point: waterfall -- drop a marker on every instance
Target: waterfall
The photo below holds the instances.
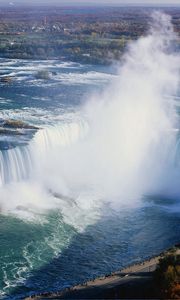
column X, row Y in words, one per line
column 123, row 150
column 15, row 165
column 18, row 164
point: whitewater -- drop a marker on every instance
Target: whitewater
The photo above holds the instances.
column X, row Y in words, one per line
column 100, row 168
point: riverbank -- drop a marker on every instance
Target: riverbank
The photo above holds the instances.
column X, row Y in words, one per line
column 133, row 282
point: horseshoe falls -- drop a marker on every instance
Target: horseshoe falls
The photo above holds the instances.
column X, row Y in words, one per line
column 89, row 165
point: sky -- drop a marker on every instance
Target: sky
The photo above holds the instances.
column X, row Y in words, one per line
column 88, row 2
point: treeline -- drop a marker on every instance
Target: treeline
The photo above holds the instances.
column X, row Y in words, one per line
column 84, row 49
column 167, row 276
column 90, row 36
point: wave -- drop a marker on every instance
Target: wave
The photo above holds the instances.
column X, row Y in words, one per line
column 91, row 77
column 64, row 72
column 27, row 65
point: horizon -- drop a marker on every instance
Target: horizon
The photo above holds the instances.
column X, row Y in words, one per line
column 83, row 3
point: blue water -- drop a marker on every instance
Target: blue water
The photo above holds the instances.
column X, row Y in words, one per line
column 55, row 248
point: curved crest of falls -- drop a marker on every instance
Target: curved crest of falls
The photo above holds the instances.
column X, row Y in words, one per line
column 92, row 184
column 17, row 164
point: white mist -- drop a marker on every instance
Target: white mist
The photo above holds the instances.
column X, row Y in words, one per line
column 128, row 151
column 123, row 149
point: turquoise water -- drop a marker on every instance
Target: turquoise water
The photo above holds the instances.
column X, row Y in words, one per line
column 51, row 256
column 50, row 239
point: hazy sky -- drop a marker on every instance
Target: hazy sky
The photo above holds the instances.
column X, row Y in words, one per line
column 87, row 2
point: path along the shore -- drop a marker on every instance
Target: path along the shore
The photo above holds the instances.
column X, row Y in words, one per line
column 135, row 280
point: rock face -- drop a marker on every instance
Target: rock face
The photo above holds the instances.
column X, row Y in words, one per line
column 6, row 79
column 15, row 132
column 42, row 74
column 16, row 124
column 4, row 131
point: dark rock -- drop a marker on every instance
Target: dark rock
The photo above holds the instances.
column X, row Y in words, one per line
column 16, row 124
column 6, row 79
column 42, row 74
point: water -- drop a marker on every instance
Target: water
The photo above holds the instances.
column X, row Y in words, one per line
column 54, row 106
column 94, row 186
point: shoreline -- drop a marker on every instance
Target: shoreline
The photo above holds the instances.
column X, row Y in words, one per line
column 98, row 288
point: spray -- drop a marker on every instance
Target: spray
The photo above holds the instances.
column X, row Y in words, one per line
column 122, row 149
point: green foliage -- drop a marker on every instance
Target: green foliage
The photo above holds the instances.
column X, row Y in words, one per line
column 167, row 275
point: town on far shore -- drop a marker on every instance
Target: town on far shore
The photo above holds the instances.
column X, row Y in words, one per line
column 96, row 35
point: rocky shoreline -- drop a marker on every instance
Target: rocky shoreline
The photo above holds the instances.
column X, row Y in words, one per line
column 133, row 282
